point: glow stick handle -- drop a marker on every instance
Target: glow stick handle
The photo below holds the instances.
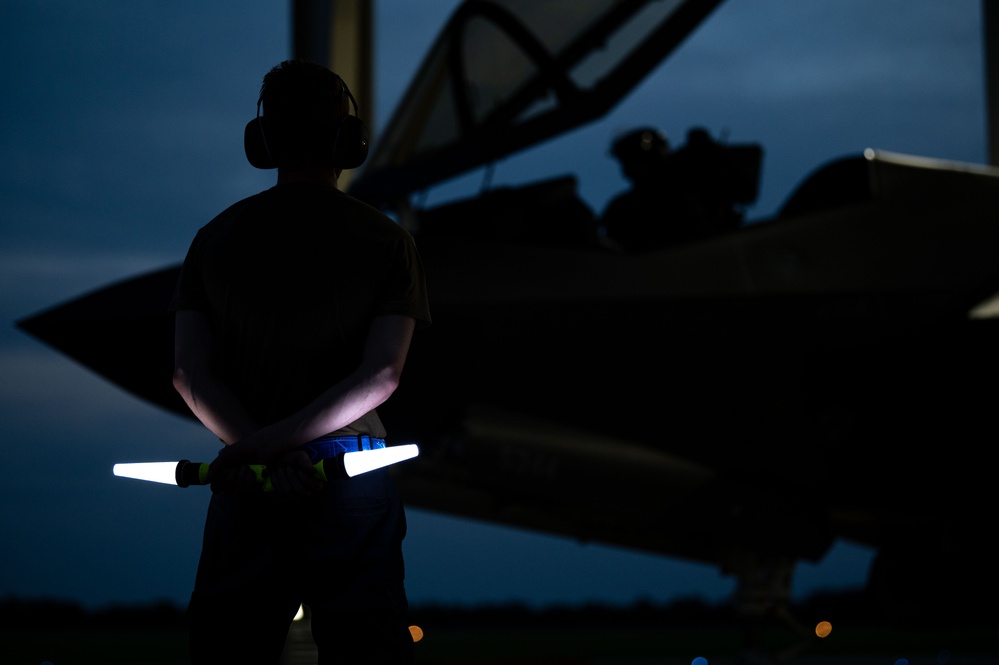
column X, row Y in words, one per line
column 196, row 473
column 346, row 465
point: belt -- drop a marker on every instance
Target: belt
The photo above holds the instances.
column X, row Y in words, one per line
column 327, row 447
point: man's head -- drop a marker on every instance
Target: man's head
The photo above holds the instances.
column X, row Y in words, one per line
column 304, row 120
column 641, row 152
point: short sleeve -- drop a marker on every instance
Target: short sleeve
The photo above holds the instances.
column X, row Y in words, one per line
column 405, row 289
column 190, row 290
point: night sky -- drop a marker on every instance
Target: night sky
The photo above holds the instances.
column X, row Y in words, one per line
column 122, row 135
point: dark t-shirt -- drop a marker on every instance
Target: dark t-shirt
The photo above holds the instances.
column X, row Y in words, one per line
column 290, row 279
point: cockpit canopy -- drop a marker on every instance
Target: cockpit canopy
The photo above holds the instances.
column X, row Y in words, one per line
column 507, row 74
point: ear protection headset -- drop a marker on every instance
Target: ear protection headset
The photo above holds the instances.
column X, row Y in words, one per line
column 350, row 137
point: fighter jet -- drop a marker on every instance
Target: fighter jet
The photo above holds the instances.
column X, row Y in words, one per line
column 742, row 398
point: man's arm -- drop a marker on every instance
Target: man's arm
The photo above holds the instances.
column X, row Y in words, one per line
column 194, row 378
column 366, row 388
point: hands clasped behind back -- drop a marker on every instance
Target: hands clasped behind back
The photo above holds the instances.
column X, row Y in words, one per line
column 290, row 473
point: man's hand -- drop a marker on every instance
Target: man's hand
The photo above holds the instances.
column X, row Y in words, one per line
column 230, row 471
column 294, row 474
column 235, row 479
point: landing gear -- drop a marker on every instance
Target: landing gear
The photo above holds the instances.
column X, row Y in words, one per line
column 762, row 601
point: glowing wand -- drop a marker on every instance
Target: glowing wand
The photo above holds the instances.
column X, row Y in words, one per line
column 186, row 473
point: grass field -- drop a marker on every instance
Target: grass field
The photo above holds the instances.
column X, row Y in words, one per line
column 54, row 633
column 481, row 646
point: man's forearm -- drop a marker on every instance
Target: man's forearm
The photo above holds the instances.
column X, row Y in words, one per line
column 214, row 405
column 337, row 407
column 366, row 388
column 210, row 400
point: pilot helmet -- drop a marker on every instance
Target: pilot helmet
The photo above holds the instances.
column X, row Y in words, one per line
column 645, row 144
column 641, row 152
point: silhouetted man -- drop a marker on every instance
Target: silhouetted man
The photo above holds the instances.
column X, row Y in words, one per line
column 654, row 212
column 677, row 196
column 294, row 314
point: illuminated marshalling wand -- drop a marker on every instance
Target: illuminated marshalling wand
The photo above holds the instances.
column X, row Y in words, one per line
column 186, row 473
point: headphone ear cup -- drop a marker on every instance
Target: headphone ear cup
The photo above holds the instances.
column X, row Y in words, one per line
column 349, row 151
column 351, row 147
column 256, row 147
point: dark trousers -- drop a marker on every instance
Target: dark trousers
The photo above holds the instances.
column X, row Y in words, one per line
column 339, row 553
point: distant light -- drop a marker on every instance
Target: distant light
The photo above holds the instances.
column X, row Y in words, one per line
column 823, row 628
column 902, row 661
column 987, row 309
column 416, row 632
column 700, row 660
column 300, row 614
column 157, row 472
column 362, row 461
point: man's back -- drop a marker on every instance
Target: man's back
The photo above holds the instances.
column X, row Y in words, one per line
column 291, row 280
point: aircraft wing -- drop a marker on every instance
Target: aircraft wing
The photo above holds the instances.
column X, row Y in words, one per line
column 507, row 74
